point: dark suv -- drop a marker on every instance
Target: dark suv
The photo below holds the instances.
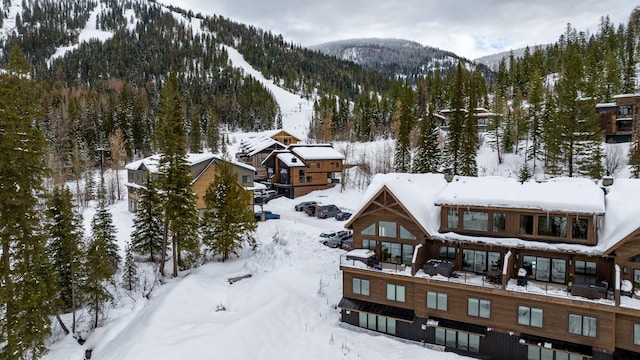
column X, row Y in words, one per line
column 326, row 211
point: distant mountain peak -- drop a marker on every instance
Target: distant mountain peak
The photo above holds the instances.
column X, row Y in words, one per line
column 397, row 58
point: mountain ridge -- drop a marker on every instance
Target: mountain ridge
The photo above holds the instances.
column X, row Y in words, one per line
column 396, row 58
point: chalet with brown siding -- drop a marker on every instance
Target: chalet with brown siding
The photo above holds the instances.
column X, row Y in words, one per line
column 302, row 168
column 255, row 149
column 203, row 172
column 497, row 269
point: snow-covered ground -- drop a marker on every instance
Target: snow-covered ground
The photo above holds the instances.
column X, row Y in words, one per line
column 286, row 310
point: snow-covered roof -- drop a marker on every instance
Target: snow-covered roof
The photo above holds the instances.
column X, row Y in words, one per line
column 623, row 212
column 609, row 104
column 270, row 133
column 620, row 96
column 254, row 145
column 290, row 160
column 316, row 152
column 152, row 162
column 421, row 194
column 416, row 192
column 572, row 195
column 624, row 119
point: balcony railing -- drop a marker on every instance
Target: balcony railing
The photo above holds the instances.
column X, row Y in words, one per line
column 486, row 280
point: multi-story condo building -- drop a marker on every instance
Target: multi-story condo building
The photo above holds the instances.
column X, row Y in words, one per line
column 619, row 118
column 255, row 149
column 303, row 168
column 489, row 267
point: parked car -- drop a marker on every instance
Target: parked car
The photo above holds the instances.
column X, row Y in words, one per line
column 310, row 210
column 302, row 205
column 326, row 211
column 268, row 215
column 341, row 216
column 334, row 242
column 347, row 244
column 342, row 234
column 270, row 194
column 326, row 235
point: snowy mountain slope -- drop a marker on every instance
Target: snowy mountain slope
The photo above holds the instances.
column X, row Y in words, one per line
column 393, row 57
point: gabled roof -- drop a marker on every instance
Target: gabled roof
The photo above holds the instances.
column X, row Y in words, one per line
column 254, row 145
column 152, row 162
column 415, row 192
column 272, row 133
column 623, row 214
column 290, row 160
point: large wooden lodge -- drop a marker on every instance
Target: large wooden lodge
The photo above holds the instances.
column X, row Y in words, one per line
column 493, row 268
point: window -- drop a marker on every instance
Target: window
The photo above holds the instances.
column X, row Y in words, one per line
column 437, row 301
column 387, row 229
column 636, row 334
column 476, row 260
column 526, row 224
column 479, row 308
column 405, row 234
column 395, row 292
column 246, row 179
column 499, row 222
column 552, row 225
column 369, row 244
column 580, row 228
column 585, row 267
column 396, row 253
column 300, row 172
column 530, row 316
column 309, row 179
column 475, row 220
column 625, row 110
column 301, row 179
column 582, row 325
column 447, row 252
column 369, row 230
column 457, row 339
column 540, row 353
column 361, row 287
column 452, row 218
column 545, row 269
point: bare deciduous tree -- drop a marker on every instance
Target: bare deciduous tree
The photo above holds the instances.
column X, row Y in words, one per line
column 118, row 155
column 613, row 160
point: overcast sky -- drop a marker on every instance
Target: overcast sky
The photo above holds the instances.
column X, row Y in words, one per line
column 469, row 28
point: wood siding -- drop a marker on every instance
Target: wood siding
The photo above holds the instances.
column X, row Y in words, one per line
column 504, row 307
column 513, row 225
column 208, row 177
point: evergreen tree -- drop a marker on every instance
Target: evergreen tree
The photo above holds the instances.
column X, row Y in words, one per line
column 130, row 273
column 404, row 117
column 180, row 213
column 427, row 158
column 146, row 238
column 456, row 124
column 229, row 222
column 26, row 284
column 103, row 229
column 213, row 131
column 470, row 143
column 66, row 235
column 536, row 113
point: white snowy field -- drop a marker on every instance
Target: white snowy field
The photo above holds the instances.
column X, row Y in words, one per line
column 286, row 310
